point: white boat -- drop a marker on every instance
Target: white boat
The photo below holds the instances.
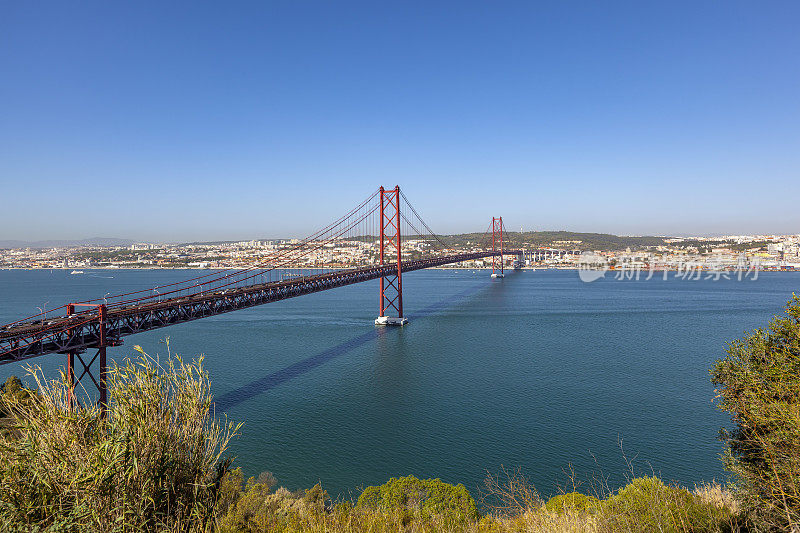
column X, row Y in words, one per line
column 77, row 272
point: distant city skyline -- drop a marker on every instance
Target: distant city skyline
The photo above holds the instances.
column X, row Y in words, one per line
column 117, row 242
column 184, row 122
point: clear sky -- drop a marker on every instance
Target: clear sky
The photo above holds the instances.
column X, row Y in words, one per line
column 198, row 120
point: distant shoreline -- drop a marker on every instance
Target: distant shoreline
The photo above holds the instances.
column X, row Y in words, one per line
column 534, row 268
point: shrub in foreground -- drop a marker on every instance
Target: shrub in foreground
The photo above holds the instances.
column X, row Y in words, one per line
column 571, row 501
column 12, row 393
column 151, row 464
column 430, row 497
column 759, row 385
column 647, row 504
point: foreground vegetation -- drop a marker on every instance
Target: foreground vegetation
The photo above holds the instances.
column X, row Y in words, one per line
column 759, row 384
column 414, row 505
column 152, row 463
column 155, row 462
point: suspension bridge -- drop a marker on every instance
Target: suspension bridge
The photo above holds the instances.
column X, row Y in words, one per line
column 384, row 235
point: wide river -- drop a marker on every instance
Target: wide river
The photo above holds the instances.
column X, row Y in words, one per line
column 539, row 371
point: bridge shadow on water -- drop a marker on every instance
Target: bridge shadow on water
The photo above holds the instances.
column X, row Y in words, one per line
column 270, row 381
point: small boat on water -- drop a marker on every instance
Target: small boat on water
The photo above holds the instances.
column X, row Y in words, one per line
column 77, row 272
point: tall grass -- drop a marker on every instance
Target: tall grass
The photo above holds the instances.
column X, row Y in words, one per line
column 153, row 463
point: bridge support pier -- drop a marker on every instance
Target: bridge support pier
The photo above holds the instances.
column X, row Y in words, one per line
column 391, row 291
column 99, row 357
column 391, row 321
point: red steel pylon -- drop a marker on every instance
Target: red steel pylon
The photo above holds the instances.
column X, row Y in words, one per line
column 497, row 228
column 99, row 356
column 391, row 295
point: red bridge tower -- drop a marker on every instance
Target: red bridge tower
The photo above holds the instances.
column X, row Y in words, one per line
column 391, row 296
column 497, row 263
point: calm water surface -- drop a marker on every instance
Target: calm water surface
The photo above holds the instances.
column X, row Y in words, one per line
column 538, row 370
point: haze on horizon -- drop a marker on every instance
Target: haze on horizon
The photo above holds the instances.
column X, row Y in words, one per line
column 197, row 122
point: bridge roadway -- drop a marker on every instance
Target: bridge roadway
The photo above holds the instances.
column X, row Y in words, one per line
column 81, row 331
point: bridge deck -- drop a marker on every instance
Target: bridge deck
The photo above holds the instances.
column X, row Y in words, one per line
column 81, row 331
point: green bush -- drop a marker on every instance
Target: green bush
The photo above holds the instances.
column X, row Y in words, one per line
column 370, row 498
column 759, row 385
column 230, row 490
column 152, row 463
column 251, row 509
column 431, row 497
column 12, row 392
column 316, row 498
column 12, row 386
column 647, row 504
column 572, row 501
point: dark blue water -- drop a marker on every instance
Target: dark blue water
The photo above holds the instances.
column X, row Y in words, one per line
column 538, row 370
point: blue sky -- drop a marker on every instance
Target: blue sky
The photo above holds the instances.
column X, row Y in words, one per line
column 198, row 120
